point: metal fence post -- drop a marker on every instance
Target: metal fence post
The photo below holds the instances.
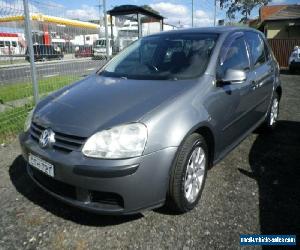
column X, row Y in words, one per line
column 28, row 33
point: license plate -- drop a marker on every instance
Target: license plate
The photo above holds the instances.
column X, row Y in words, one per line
column 41, row 165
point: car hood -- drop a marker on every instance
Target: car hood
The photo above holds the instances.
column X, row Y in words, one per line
column 97, row 103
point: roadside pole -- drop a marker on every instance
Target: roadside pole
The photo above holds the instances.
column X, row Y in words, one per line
column 106, row 29
column 192, row 13
column 99, row 5
column 215, row 12
column 28, row 33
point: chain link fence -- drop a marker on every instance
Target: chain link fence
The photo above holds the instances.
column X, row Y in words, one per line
column 62, row 54
column 63, row 50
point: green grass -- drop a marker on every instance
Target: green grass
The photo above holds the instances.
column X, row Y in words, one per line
column 12, row 120
column 22, row 90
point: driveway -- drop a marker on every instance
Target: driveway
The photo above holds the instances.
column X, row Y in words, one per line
column 255, row 189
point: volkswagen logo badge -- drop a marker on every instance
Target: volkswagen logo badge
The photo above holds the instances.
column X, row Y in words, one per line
column 47, row 138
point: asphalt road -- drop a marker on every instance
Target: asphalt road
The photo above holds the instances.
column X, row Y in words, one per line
column 254, row 190
column 81, row 66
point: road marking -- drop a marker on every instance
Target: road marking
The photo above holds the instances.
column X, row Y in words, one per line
column 11, row 68
column 42, row 69
column 50, row 75
column 91, row 69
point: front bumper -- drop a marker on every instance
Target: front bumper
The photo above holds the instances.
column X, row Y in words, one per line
column 122, row 186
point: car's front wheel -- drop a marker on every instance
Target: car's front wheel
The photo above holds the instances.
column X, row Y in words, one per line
column 189, row 173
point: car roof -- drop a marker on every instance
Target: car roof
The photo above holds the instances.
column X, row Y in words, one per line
column 213, row 30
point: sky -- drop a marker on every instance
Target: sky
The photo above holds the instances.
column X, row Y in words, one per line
column 177, row 12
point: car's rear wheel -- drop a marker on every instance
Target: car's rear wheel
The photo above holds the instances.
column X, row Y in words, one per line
column 188, row 174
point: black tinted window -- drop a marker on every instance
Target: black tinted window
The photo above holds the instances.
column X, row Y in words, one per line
column 236, row 57
column 257, row 48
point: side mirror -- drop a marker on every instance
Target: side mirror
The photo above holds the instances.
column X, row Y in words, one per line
column 234, row 76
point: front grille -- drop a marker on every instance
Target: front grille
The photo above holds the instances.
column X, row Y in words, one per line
column 63, row 142
column 57, row 187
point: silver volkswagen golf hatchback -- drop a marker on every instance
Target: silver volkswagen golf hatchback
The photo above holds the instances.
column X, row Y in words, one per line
column 143, row 130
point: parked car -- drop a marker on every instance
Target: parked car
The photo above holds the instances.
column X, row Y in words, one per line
column 145, row 128
column 45, row 52
column 84, row 51
column 294, row 59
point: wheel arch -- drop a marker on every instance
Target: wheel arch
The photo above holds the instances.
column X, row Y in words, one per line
column 207, row 133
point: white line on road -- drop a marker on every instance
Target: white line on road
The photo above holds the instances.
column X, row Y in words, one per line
column 50, row 75
column 40, row 64
column 91, row 69
column 48, row 68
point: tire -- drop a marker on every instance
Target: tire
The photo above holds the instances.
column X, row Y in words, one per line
column 273, row 113
column 180, row 199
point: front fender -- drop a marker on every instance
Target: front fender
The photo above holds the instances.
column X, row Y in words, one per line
column 171, row 124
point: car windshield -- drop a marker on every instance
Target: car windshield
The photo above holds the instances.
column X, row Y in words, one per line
column 167, row 57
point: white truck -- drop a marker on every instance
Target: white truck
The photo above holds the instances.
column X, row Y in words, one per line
column 99, row 50
column 122, row 38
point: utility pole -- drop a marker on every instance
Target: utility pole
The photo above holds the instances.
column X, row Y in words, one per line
column 106, row 29
column 192, row 13
column 99, row 6
column 215, row 13
column 28, row 33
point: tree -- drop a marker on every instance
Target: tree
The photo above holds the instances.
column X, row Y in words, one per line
column 244, row 7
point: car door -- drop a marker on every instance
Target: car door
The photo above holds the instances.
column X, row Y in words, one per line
column 234, row 101
column 263, row 68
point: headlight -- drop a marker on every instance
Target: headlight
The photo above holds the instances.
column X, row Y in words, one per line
column 28, row 121
column 118, row 142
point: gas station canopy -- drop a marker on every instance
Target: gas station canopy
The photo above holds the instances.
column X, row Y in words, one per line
column 51, row 19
